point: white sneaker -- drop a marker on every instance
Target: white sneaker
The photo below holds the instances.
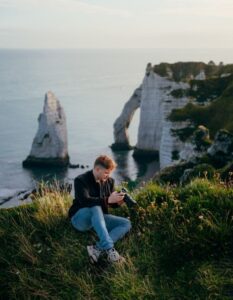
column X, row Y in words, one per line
column 114, row 256
column 93, row 253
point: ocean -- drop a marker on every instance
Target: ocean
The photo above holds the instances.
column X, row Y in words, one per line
column 92, row 86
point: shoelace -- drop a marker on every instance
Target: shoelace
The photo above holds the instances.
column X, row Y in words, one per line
column 111, row 250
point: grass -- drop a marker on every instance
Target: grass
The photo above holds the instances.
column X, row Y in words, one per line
column 180, row 247
column 214, row 117
column 185, row 71
column 217, row 115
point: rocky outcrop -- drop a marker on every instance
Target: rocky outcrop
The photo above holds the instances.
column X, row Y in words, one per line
column 121, row 125
column 167, row 88
column 196, row 146
column 154, row 134
column 208, row 159
column 222, row 145
column 201, row 75
column 50, row 147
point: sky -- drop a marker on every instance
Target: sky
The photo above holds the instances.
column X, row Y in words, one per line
column 116, row 24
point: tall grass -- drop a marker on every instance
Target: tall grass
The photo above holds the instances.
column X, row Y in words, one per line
column 180, row 247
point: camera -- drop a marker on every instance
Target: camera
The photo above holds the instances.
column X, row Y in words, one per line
column 130, row 202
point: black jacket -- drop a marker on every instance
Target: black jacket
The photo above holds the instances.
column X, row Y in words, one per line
column 89, row 193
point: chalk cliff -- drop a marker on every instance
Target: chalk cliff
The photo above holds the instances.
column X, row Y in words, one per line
column 154, row 134
column 167, row 88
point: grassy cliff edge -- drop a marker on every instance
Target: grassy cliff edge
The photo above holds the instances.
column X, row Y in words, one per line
column 180, row 247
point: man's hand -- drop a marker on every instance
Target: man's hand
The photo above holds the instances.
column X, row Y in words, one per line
column 116, row 197
column 121, row 202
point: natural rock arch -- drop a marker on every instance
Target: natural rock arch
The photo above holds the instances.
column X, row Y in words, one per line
column 121, row 125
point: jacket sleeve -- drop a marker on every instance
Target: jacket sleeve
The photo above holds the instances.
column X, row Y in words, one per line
column 81, row 194
column 113, row 205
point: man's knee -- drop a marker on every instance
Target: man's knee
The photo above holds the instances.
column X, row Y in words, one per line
column 78, row 227
column 81, row 220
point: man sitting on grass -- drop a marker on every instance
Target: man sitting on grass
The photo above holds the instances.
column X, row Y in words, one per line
column 94, row 192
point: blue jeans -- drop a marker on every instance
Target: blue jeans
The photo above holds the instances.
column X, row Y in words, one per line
column 109, row 228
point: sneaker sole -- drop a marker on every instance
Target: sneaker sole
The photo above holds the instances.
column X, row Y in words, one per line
column 92, row 258
column 121, row 260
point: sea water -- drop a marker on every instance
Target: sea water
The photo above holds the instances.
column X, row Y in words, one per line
column 92, row 85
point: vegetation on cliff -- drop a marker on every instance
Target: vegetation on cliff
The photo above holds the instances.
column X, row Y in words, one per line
column 180, row 247
column 216, row 91
column 186, row 71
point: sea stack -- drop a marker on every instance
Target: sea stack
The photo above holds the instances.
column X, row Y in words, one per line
column 50, row 147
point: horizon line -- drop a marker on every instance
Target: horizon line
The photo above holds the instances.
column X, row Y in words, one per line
column 106, row 48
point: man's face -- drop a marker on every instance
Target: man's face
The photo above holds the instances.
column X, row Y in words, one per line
column 102, row 173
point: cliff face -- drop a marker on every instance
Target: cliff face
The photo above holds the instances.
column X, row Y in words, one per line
column 154, row 132
column 165, row 88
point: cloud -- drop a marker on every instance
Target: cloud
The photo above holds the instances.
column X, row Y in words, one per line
column 69, row 5
column 87, row 23
column 6, row 4
column 197, row 8
column 173, row 8
column 93, row 8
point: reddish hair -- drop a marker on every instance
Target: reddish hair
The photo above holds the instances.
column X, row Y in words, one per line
column 105, row 162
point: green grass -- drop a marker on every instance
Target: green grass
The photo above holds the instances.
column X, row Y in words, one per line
column 183, row 71
column 208, row 89
column 180, row 247
column 217, row 90
column 218, row 115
